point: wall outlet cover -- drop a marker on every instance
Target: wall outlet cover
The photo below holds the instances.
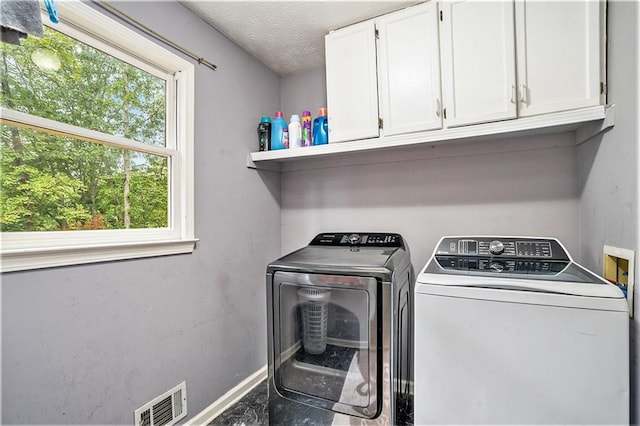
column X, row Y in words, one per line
column 618, row 267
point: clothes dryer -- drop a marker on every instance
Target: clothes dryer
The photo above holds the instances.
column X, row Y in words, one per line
column 510, row 330
column 339, row 331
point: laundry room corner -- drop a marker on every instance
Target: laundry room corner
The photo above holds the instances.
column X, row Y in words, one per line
column 609, row 163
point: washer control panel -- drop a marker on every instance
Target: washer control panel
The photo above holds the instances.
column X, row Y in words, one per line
column 371, row 239
column 508, row 247
column 507, row 265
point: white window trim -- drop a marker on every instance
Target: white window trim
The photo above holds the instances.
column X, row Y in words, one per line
column 34, row 250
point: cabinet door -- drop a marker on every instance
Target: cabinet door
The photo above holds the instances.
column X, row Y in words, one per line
column 558, row 49
column 478, row 61
column 352, row 93
column 409, row 70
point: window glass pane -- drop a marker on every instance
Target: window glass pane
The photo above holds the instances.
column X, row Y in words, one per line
column 62, row 79
column 52, row 183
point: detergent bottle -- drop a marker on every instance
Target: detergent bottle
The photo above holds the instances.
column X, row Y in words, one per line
column 306, row 128
column 295, row 132
column 264, row 134
column 321, row 128
column 278, row 128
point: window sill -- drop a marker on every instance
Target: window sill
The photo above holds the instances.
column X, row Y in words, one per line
column 27, row 259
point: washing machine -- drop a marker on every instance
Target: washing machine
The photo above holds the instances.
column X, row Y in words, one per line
column 510, row 330
column 339, row 331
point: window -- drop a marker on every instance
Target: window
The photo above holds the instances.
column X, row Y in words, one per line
column 96, row 145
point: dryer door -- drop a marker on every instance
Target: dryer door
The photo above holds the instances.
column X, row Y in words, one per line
column 325, row 341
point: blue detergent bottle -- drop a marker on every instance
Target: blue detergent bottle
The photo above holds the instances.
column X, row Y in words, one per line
column 278, row 126
column 321, row 128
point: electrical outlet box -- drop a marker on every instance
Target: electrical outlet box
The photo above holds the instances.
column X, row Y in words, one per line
column 618, row 266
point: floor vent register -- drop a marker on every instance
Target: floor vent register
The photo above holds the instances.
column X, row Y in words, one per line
column 164, row 410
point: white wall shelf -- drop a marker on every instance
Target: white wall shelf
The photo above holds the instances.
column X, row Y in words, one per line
column 585, row 122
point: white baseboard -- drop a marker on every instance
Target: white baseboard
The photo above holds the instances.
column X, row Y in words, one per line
column 207, row 415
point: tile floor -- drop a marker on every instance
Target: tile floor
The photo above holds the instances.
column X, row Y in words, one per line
column 253, row 410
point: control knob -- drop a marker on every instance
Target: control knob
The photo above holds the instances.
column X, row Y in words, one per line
column 496, row 247
column 496, row 267
column 354, row 238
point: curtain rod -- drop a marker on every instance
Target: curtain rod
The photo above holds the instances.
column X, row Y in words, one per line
column 137, row 24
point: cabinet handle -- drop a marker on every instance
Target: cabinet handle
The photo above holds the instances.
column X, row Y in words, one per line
column 523, row 94
column 513, row 93
column 438, row 107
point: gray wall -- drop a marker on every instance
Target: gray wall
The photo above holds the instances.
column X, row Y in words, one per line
column 609, row 165
column 89, row 344
column 302, row 91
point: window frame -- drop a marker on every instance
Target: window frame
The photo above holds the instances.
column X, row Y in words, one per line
column 43, row 249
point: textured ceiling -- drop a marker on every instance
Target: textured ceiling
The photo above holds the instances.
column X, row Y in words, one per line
column 286, row 36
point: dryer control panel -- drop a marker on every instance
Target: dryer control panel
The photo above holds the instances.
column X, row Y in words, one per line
column 371, row 239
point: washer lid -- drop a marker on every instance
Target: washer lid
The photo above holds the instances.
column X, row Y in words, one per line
column 549, row 277
column 512, row 263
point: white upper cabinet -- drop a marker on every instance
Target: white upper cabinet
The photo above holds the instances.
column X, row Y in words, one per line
column 448, row 69
column 409, row 70
column 559, row 55
column 352, row 93
column 478, row 61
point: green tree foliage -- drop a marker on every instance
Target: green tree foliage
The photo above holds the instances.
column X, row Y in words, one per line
column 51, row 182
